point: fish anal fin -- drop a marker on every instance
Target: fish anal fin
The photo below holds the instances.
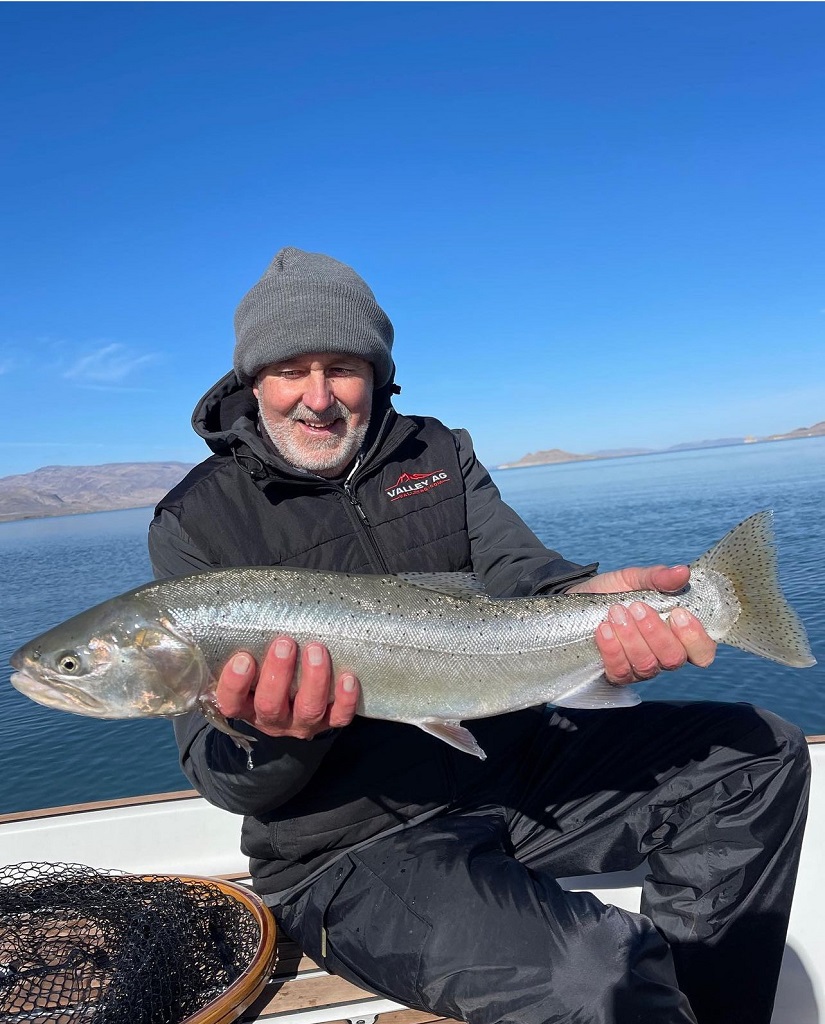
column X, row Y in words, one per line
column 453, row 733
column 599, row 694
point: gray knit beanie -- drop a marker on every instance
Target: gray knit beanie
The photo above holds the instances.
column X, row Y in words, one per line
column 308, row 302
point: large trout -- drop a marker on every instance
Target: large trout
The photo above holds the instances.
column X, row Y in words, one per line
column 431, row 650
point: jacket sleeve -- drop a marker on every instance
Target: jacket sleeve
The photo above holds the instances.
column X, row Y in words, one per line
column 211, row 761
column 506, row 554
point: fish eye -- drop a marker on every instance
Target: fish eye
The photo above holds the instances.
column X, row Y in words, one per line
column 69, row 663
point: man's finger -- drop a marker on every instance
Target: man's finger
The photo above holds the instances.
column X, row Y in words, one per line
column 700, row 648
column 635, row 577
column 309, row 708
column 664, row 646
column 643, row 662
column 616, row 666
column 667, row 579
column 275, row 683
column 343, row 708
column 234, row 685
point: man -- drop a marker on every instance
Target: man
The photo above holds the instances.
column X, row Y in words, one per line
column 395, row 860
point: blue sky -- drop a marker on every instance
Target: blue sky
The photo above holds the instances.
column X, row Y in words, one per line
column 593, row 225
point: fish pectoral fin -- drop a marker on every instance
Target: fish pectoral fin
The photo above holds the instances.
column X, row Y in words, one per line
column 212, row 714
column 453, row 733
column 599, row 694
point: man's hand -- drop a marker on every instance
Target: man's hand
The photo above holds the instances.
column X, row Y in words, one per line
column 635, row 643
column 263, row 698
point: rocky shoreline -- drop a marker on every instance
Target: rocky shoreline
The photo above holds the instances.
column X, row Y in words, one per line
column 75, row 490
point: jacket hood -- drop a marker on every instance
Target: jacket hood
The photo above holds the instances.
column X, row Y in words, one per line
column 227, row 418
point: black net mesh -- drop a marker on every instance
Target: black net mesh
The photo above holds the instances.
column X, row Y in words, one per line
column 82, row 945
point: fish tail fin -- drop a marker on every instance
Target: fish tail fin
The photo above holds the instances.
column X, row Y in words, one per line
column 767, row 625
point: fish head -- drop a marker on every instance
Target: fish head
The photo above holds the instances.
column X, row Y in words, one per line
column 113, row 661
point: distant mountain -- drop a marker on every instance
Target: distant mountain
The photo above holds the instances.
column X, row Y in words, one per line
column 553, row 455
column 620, row 453
column 817, row 430
column 689, row 446
column 69, row 490
column 545, row 458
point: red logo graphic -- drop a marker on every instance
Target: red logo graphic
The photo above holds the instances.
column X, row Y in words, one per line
column 415, row 483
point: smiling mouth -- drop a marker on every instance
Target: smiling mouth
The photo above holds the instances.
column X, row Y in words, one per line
column 319, row 428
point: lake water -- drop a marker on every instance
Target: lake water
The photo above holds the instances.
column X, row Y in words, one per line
column 645, row 509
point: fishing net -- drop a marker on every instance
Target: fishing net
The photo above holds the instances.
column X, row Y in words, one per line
column 83, row 946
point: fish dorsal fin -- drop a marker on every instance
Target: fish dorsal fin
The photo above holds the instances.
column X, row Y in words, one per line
column 599, row 694
column 453, row 584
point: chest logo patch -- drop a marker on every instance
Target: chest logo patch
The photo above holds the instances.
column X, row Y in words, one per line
column 415, row 483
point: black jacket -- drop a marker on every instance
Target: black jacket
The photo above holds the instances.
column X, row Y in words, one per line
column 418, row 500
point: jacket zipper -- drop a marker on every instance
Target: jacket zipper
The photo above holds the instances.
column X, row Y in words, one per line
column 362, row 516
column 362, row 458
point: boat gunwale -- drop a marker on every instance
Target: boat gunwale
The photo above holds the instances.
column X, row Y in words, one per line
column 98, row 805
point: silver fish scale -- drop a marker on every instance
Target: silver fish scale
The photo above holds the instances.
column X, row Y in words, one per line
column 416, row 652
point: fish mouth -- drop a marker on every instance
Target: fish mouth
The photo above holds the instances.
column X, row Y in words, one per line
column 55, row 693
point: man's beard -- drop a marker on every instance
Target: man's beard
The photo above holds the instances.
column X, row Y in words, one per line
column 326, row 455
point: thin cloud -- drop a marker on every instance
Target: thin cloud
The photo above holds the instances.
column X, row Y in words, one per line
column 116, row 387
column 107, row 366
column 51, row 444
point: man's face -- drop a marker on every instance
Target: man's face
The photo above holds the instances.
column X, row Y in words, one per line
column 316, row 409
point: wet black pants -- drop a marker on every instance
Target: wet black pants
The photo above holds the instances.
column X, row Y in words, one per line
column 461, row 915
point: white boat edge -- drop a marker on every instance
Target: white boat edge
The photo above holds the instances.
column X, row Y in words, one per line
column 180, row 833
